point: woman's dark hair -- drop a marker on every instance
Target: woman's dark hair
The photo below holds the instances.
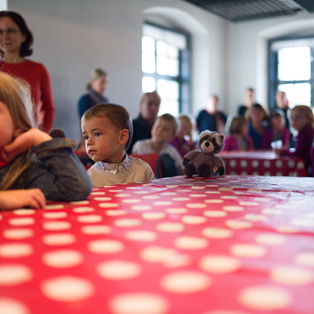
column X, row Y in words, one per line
column 26, row 49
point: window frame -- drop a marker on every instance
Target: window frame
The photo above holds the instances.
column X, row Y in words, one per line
column 183, row 78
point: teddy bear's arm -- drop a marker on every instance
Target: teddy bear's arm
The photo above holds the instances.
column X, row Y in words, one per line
column 190, row 156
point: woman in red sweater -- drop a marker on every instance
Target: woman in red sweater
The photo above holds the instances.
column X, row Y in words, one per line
column 15, row 44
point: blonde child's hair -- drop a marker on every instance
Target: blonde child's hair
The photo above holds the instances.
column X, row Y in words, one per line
column 305, row 110
column 117, row 114
column 95, row 75
column 149, row 96
column 15, row 95
column 169, row 118
column 236, row 124
column 186, row 118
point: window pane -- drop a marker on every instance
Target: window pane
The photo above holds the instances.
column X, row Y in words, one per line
column 297, row 94
column 148, row 63
column 148, row 44
column 169, row 92
column 294, row 63
column 148, row 84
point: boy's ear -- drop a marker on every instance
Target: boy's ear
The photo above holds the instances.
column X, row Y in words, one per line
column 124, row 136
column 17, row 132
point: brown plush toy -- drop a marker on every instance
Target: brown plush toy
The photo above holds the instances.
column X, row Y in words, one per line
column 204, row 161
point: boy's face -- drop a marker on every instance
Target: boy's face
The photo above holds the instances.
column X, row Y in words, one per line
column 162, row 131
column 104, row 141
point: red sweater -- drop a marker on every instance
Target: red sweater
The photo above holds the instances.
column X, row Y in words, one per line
column 38, row 78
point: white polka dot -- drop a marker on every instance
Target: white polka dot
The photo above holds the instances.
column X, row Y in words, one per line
column 141, row 235
column 264, row 298
column 190, row 243
column 291, row 275
column 21, row 221
column 185, row 282
column 278, row 163
column 219, row 264
column 248, row 250
column 255, row 163
column 196, row 205
column 80, row 202
column 11, row 306
column 108, row 205
column 58, row 239
column 123, row 195
column 54, row 206
column 67, row 289
column 214, row 201
column 139, row 303
column 83, row 209
column 266, row 164
column 18, row 234
column 162, row 203
column 141, row 207
column 176, row 210
column 54, row 215
column 56, row 225
column 23, row 212
column 170, row 227
column 305, row 258
column 270, row 239
column 181, row 199
column 62, row 258
column 198, row 195
column 249, row 203
column 291, row 163
column 153, row 216
column 193, row 220
column 243, row 163
column 225, row 189
column 233, row 208
column 118, row 270
column 156, row 254
column 218, row 233
column 115, row 212
column 236, row 224
column 14, row 274
column 232, row 163
column 105, row 246
column 127, row 222
column 15, row 250
column 131, row 201
column 89, row 218
column 150, row 197
column 96, row 229
column 255, row 217
column 215, row 213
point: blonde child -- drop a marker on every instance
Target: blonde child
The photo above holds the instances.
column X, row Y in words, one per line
column 164, row 128
column 302, row 120
column 183, row 141
column 32, row 159
column 107, row 132
column 238, row 138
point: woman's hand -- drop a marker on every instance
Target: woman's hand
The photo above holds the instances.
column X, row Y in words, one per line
column 13, row 199
column 24, row 142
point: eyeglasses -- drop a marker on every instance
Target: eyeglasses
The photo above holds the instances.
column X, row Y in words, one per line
column 9, row 31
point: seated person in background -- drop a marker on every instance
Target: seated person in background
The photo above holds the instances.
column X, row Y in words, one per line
column 257, row 118
column 33, row 198
column 211, row 118
column 249, row 101
column 238, row 138
column 107, row 132
column 282, row 103
column 276, row 131
column 302, row 120
column 163, row 130
column 32, row 159
column 183, row 141
column 142, row 125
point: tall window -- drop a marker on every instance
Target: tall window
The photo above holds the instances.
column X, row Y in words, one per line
column 165, row 67
column 291, row 71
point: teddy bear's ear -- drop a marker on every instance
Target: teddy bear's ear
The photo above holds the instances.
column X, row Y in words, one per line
column 222, row 137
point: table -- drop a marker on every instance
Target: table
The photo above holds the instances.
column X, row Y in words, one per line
column 262, row 163
column 232, row 244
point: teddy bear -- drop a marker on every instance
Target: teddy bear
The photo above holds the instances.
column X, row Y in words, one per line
column 204, row 161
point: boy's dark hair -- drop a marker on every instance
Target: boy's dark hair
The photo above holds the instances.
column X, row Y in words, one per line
column 26, row 49
column 117, row 114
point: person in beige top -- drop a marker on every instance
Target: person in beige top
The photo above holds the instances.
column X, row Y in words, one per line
column 107, row 133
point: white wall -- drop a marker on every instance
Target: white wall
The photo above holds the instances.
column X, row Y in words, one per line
column 74, row 36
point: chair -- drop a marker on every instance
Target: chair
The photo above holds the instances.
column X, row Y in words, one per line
column 153, row 161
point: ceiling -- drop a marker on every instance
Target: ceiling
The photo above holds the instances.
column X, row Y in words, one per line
column 248, row 10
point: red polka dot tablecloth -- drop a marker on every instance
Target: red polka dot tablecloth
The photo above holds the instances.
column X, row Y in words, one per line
column 263, row 163
column 233, row 244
